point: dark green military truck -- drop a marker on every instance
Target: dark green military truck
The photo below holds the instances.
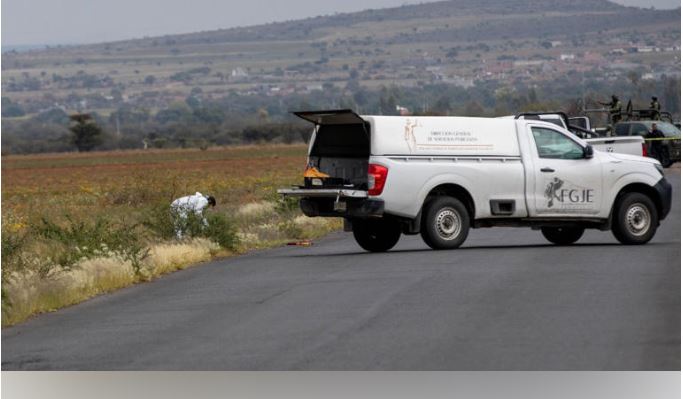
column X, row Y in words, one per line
column 670, row 145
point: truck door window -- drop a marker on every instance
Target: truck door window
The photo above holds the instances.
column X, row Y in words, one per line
column 554, row 145
column 622, row 129
column 639, row 130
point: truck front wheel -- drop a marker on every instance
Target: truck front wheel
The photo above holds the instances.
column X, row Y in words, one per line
column 635, row 219
column 445, row 223
column 376, row 235
column 562, row 235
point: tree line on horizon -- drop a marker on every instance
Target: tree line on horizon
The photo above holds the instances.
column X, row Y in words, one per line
column 201, row 123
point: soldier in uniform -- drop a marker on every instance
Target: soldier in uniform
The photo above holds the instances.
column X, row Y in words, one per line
column 655, row 108
column 614, row 109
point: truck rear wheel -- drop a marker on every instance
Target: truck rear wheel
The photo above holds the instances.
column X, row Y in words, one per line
column 635, row 219
column 664, row 158
column 562, row 235
column 445, row 224
column 376, row 235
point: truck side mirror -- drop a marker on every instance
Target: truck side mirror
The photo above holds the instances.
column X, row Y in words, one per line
column 588, row 151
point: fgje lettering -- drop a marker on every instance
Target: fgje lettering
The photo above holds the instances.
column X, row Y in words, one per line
column 555, row 192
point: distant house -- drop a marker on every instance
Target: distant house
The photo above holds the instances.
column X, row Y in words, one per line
column 526, row 63
column 566, row 57
column 459, row 81
column 239, row 74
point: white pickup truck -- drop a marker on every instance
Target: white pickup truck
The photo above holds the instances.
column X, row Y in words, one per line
column 441, row 176
column 632, row 145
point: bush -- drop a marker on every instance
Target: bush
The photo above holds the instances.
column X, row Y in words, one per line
column 71, row 241
column 287, row 205
column 159, row 220
column 12, row 247
column 163, row 222
column 221, row 230
column 284, row 206
column 290, row 229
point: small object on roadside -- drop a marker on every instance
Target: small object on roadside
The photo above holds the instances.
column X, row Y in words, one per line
column 302, row 243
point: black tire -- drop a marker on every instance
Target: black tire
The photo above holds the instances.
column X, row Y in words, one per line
column 445, row 223
column 635, row 219
column 376, row 235
column 664, row 158
column 562, row 235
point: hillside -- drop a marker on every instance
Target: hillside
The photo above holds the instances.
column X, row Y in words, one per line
column 477, row 47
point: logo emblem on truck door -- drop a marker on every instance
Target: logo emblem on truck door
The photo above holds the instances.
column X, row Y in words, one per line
column 551, row 190
column 409, row 134
column 567, row 194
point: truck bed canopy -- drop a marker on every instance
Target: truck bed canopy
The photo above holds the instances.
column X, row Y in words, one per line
column 340, row 133
column 331, row 117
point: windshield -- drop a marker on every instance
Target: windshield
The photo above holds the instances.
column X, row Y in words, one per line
column 668, row 129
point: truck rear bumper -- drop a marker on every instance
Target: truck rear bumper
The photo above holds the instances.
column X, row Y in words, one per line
column 665, row 192
column 366, row 208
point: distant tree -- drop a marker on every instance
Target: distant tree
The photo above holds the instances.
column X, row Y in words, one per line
column 176, row 112
column 263, row 114
column 11, row 109
column 150, row 79
column 193, row 102
column 634, row 78
column 473, row 108
column 129, row 115
column 672, row 95
column 208, row 115
column 442, row 104
column 532, row 96
column 117, row 94
column 53, row 115
column 85, row 134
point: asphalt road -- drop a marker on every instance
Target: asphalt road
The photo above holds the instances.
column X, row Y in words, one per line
column 507, row 300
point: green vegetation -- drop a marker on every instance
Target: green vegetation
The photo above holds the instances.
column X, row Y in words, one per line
column 77, row 225
column 86, row 135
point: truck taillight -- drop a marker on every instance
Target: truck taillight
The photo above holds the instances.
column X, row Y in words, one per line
column 644, row 149
column 377, row 176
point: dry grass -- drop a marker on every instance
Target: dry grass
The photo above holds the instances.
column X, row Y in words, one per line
column 166, row 258
column 30, row 293
column 256, row 209
column 123, row 188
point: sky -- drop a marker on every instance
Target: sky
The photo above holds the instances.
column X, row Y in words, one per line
column 40, row 22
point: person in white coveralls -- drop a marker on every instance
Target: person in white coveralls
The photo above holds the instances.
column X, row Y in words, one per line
column 183, row 206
